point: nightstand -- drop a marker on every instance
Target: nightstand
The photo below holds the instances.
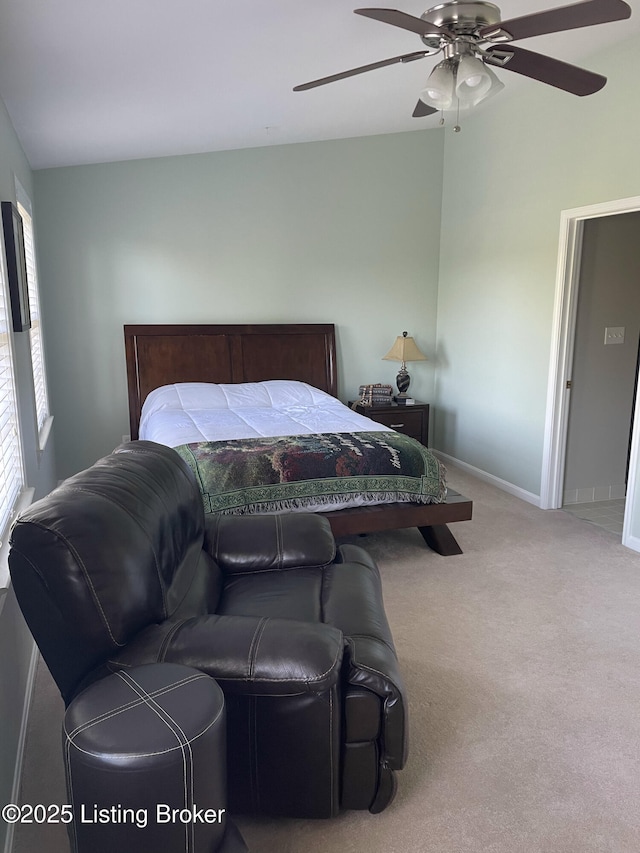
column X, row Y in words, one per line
column 409, row 420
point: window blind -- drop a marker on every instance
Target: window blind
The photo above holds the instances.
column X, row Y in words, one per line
column 37, row 346
column 11, row 468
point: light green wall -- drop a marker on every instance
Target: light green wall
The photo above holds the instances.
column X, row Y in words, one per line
column 507, row 176
column 344, row 232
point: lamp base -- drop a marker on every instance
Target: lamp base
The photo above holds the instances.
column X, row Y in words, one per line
column 403, row 380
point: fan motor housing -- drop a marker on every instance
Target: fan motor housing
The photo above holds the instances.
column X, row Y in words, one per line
column 461, row 18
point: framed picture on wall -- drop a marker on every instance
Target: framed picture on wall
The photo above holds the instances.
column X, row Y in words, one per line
column 16, row 266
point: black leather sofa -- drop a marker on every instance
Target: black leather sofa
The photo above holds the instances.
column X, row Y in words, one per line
column 118, row 567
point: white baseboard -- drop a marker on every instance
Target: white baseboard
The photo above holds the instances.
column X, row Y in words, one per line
column 594, row 494
column 17, row 774
column 504, row 485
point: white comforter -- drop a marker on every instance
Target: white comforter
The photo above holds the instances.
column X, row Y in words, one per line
column 190, row 412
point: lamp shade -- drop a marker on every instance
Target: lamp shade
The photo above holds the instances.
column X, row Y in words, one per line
column 475, row 82
column 404, row 349
column 440, row 88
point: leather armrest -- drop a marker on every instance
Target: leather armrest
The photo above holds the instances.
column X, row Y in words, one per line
column 355, row 603
column 241, row 544
column 372, row 664
column 246, row 654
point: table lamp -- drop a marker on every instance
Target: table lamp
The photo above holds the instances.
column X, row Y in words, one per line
column 404, row 349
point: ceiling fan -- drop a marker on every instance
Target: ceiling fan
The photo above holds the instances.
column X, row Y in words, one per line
column 472, row 37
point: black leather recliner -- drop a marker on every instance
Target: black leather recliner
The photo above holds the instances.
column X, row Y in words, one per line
column 118, row 567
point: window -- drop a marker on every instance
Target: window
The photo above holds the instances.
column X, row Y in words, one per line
column 11, row 468
column 37, row 346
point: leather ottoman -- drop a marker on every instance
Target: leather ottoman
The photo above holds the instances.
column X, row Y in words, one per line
column 145, row 764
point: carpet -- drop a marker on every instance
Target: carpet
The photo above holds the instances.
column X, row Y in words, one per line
column 521, row 658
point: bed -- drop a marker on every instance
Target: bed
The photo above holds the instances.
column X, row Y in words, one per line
column 163, row 358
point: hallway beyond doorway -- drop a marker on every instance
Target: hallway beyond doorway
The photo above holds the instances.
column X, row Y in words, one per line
column 607, row 514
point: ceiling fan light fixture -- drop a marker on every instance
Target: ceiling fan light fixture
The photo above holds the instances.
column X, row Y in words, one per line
column 440, row 89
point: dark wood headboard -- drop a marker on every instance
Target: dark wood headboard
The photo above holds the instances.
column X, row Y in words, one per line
column 161, row 355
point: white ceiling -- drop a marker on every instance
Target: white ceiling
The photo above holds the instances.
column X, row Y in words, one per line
column 87, row 81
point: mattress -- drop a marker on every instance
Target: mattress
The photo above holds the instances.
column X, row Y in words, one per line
column 190, row 412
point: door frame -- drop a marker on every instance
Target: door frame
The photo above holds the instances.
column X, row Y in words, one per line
column 561, row 360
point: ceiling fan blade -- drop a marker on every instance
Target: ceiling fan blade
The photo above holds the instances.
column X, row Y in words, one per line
column 404, row 21
column 572, row 79
column 423, row 110
column 572, row 17
column 406, row 57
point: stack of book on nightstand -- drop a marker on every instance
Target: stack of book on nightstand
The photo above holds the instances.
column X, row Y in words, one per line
column 376, row 395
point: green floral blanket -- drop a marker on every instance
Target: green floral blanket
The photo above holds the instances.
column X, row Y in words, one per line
column 314, row 471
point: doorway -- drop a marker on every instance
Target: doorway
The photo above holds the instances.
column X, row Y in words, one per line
column 562, row 358
column 607, row 330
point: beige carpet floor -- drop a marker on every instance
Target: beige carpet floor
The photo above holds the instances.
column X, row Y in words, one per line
column 522, row 663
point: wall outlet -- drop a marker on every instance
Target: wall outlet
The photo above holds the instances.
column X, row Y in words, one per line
column 126, row 438
column 614, row 335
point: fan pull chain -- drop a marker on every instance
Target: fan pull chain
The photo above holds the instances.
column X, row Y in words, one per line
column 456, row 127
